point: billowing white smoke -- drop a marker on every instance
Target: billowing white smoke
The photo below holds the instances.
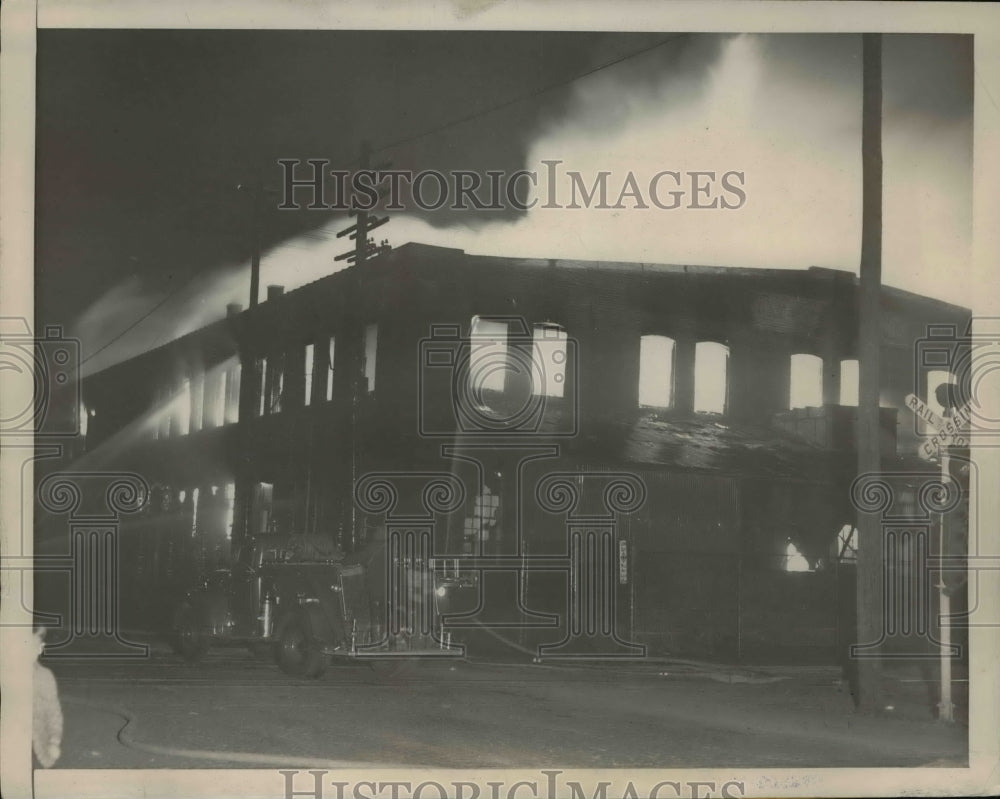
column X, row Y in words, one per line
column 194, row 304
column 784, row 111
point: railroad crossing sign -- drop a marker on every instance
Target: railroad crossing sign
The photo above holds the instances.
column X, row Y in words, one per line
column 950, row 431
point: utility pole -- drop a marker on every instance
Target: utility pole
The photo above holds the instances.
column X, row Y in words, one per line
column 256, row 190
column 250, row 380
column 363, row 246
column 870, row 568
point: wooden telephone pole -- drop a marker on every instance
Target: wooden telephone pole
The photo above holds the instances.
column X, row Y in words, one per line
column 257, row 192
column 363, row 246
column 870, row 568
column 363, row 249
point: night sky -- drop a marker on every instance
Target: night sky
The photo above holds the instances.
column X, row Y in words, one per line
column 142, row 137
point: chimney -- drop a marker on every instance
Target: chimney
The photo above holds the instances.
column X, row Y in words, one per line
column 273, row 292
column 234, row 309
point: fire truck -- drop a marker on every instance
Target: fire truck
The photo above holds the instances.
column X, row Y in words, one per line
column 303, row 600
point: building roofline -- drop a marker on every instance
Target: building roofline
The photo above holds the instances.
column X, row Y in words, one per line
column 821, row 273
column 426, row 252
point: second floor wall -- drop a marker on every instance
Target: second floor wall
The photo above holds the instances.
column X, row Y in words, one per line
column 429, row 338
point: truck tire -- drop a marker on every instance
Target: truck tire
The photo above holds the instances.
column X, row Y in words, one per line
column 189, row 641
column 296, row 652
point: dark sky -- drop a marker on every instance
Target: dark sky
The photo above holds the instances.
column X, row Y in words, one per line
column 142, row 136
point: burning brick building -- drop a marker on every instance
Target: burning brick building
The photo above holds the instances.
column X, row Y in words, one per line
column 700, row 417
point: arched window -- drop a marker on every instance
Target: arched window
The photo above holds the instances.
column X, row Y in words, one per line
column 794, row 560
column 182, row 409
column 234, row 374
column 806, row 381
column 371, row 350
column 936, row 378
column 165, row 411
column 849, row 382
column 656, row 371
column 262, row 387
column 214, row 410
column 548, row 360
column 331, row 351
column 197, row 410
column 195, row 493
column 488, row 364
column 310, row 370
column 229, row 492
column 847, row 543
column 276, row 386
column 711, row 377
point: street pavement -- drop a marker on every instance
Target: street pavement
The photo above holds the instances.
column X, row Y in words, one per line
column 237, row 710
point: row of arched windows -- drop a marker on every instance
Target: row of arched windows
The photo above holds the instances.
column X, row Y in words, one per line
column 657, row 355
column 657, row 369
column 209, row 399
column 495, row 353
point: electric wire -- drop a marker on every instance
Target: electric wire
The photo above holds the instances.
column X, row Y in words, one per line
column 423, row 134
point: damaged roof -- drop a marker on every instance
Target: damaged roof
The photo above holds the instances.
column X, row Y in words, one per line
column 735, row 449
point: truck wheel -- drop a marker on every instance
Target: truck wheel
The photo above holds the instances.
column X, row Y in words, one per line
column 296, row 653
column 190, row 642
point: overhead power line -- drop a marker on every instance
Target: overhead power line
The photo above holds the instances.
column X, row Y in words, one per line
column 134, row 324
column 531, row 95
